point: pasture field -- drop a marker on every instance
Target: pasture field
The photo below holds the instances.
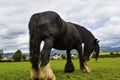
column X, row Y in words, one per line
column 103, row 69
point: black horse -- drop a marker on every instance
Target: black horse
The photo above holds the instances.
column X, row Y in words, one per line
column 58, row 34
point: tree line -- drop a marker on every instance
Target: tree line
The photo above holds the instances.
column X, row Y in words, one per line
column 17, row 56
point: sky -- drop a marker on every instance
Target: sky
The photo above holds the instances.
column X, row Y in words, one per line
column 101, row 17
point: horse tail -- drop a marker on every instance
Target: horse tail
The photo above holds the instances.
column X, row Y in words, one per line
column 97, row 50
column 33, row 23
column 35, row 39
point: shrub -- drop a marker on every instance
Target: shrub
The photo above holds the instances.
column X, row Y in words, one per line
column 24, row 57
column 1, row 53
column 111, row 53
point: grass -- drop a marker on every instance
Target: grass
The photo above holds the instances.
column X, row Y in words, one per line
column 104, row 69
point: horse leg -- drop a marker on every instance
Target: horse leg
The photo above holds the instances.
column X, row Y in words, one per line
column 46, row 72
column 69, row 65
column 85, row 68
column 82, row 61
column 34, row 56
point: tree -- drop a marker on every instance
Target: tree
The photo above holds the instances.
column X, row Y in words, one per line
column 17, row 55
column 1, row 53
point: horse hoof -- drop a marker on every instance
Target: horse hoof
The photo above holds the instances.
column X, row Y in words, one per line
column 46, row 73
column 34, row 75
column 36, row 79
column 86, row 70
column 69, row 67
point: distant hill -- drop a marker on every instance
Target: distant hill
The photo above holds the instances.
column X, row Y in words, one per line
column 102, row 49
column 110, row 49
column 7, row 55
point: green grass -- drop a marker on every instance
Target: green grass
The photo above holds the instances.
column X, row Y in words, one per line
column 104, row 69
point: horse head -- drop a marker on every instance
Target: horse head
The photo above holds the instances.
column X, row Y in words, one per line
column 89, row 49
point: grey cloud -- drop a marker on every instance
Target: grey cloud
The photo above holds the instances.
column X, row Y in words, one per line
column 100, row 16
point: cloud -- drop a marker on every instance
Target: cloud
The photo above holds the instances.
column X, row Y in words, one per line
column 109, row 32
column 101, row 17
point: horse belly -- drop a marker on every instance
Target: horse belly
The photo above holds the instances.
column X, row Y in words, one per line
column 63, row 44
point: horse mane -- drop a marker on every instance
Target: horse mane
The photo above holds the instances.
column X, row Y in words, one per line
column 87, row 36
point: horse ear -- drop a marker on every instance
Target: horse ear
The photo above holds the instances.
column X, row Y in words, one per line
column 96, row 41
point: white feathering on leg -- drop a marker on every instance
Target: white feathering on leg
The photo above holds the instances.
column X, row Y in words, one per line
column 86, row 68
column 46, row 73
column 34, row 74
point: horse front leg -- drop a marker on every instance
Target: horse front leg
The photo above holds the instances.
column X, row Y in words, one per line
column 82, row 61
column 69, row 67
column 85, row 68
column 46, row 72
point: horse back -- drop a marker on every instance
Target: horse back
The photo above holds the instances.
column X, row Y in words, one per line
column 69, row 38
column 47, row 24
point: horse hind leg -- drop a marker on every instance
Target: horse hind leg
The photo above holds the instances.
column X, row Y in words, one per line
column 34, row 56
column 34, row 74
column 46, row 72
